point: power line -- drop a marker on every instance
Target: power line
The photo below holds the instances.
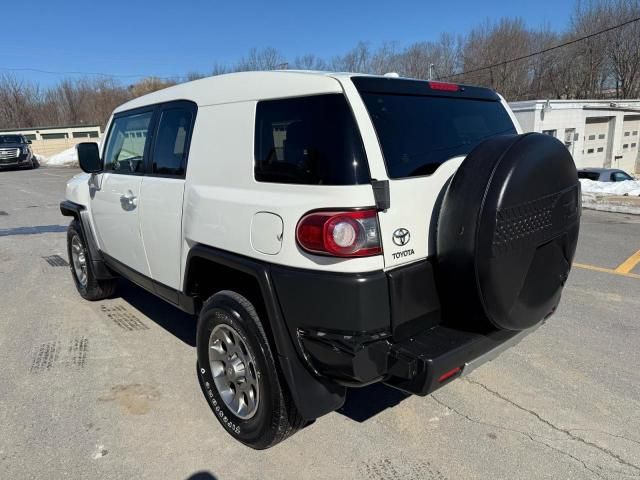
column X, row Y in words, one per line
column 99, row 74
column 571, row 42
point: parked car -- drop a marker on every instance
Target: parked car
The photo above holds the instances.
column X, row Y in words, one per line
column 604, row 174
column 15, row 151
column 329, row 231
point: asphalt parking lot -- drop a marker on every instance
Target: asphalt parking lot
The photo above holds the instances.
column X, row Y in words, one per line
column 109, row 389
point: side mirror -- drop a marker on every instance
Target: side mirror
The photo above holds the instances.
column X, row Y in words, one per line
column 89, row 157
column 29, row 142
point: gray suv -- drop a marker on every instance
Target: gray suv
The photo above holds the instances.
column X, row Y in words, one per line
column 15, row 151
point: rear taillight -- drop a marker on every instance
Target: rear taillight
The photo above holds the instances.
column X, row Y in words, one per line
column 341, row 234
column 447, row 87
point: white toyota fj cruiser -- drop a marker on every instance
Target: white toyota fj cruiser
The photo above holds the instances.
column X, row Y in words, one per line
column 329, row 230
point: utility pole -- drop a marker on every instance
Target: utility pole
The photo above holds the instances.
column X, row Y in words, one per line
column 431, row 65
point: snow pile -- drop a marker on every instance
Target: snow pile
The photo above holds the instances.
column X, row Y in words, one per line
column 628, row 187
column 66, row 158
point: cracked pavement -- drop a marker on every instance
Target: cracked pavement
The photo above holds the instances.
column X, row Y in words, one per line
column 108, row 389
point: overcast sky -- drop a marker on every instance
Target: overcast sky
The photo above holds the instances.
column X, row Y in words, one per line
column 165, row 38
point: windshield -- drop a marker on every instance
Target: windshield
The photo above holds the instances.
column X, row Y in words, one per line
column 11, row 139
column 418, row 133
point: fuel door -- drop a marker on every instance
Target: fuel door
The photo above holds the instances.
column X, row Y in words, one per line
column 266, row 233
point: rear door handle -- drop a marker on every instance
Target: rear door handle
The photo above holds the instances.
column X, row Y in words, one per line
column 128, row 201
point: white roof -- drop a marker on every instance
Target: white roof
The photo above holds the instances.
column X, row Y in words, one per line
column 244, row 86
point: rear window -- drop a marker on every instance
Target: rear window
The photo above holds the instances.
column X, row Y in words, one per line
column 309, row 140
column 419, row 133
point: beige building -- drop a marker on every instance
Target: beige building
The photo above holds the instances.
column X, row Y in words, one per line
column 598, row 133
column 48, row 141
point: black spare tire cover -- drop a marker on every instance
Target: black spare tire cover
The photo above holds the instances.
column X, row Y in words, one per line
column 507, row 232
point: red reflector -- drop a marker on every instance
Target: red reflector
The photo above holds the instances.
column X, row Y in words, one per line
column 449, row 374
column 447, row 87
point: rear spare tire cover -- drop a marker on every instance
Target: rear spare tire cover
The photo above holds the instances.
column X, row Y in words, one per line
column 507, row 232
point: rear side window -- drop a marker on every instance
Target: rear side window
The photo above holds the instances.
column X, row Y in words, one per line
column 419, row 133
column 589, row 175
column 309, row 140
column 172, row 142
column 126, row 143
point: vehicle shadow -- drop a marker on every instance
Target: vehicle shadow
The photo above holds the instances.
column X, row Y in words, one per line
column 178, row 323
column 201, row 476
column 35, row 230
column 366, row 402
column 361, row 403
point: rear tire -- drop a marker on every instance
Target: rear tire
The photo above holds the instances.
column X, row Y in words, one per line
column 88, row 286
column 231, row 339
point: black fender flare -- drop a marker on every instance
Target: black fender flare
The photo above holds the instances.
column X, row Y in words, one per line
column 312, row 395
column 81, row 214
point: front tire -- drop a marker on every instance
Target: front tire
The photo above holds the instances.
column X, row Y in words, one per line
column 239, row 376
column 88, row 286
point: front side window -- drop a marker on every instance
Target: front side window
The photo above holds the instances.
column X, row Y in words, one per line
column 620, row 177
column 125, row 149
column 419, row 133
column 171, row 145
column 309, row 140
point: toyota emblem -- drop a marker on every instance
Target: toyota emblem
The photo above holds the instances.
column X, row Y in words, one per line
column 401, row 237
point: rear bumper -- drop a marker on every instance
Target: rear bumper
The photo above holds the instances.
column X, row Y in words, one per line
column 381, row 326
column 420, row 364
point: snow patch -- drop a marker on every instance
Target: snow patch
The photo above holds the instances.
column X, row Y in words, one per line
column 628, row 187
column 66, row 158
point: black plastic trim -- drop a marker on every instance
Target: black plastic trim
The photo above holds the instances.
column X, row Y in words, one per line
column 404, row 86
column 171, row 295
column 415, row 304
column 80, row 213
column 312, row 395
column 381, row 194
column 349, row 303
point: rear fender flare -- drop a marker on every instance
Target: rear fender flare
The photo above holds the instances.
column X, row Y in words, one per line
column 312, row 395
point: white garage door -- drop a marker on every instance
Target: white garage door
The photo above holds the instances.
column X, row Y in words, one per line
column 628, row 149
column 595, row 142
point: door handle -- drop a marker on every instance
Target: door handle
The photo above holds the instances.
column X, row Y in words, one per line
column 128, row 201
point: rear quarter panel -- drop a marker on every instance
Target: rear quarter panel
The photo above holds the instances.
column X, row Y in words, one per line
column 222, row 197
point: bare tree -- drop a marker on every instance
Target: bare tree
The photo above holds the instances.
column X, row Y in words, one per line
column 494, row 45
column 355, row 60
column 18, row 101
column 309, row 61
column 586, row 68
column 265, row 59
column 623, row 48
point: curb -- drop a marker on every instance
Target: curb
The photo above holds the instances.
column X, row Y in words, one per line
column 611, row 203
